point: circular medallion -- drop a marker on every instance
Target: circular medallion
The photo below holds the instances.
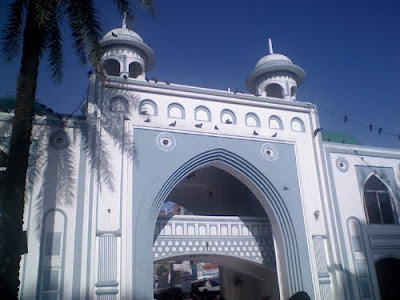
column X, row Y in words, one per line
column 166, row 141
column 342, row 164
column 59, row 140
column 269, row 152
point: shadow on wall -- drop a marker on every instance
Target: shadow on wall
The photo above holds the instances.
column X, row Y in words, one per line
column 53, row 177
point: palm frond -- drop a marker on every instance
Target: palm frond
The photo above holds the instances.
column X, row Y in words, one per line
column 74, row 20
column 12, row 33
column 54, row 44
column 148, row 5
column 44, row 11
column 86, row 30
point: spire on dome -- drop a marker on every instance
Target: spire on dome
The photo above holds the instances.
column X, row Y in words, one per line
column 271, row 50
column 124, row 21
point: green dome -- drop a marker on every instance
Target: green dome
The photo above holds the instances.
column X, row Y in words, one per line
column 339, row 137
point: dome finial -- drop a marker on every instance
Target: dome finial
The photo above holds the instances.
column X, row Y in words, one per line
column 124, row 21
column 271, row 50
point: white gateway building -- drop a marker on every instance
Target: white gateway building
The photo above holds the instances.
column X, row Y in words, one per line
column 278, row 209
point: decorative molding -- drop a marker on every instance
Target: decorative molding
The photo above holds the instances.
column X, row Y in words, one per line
column 342, row 164
column 166, row 141
column 107, row 266
column 183, row 235
column 269, row 152
column 324, row 280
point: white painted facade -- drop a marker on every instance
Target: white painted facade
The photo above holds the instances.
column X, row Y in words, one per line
column 96, row 185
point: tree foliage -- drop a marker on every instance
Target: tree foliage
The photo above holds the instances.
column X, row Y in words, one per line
column 33, row 26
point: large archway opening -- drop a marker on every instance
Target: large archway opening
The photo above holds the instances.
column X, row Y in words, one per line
column 387, row 270
column 211, row 218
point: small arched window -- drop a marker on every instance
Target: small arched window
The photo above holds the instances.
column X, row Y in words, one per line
column 297, row 125
column 252, row 120
column 202, row 113
column 293, row 91
column 112, row 67
column 148, row 107
column 176, row 111
column 275, row 122
column 378, row 202
column 135, row 70
column 228, row 117
column 274, row 90
column 118, row 104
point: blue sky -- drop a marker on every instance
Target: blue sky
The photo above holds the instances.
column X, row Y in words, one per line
column 350, row 51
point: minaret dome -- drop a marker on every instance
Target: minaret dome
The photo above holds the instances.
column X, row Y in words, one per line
column 275, row 75
column 125, row 54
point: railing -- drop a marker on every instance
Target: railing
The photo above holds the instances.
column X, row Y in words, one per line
column 245, row 237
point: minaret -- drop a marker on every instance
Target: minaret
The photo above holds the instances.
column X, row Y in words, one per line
column 276, row 76
column 125, row 54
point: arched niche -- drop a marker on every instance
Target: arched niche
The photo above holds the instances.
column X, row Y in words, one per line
column 148, row 107
column 176, row 111
column 228, row 117
column 202, row 113
column 119, row 104
column 297, row 125
column 52, row 255
column 252, row 120
column 274, row 90
column 112, row 67
column 275, row 122
column 135, row 69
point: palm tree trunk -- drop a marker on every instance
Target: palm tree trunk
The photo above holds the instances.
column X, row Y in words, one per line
column 13, row 189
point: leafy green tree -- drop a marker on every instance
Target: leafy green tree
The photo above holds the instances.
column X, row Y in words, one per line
column 34, row 27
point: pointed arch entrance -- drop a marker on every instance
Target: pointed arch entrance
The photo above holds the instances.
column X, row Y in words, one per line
column 288, row 257
column 387, row 270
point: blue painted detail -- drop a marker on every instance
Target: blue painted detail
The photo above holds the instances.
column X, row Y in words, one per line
column 148, row 107
column 202, row 113
column 342, row 164
column 275, row 122
column 166, row 141
column 255, row 118
column 110, row 291
column 297, row 122
column 364, row 172
column 106, row 283
column 269, row 151
column 176, row 106
column 236, row 157
column 228, row 117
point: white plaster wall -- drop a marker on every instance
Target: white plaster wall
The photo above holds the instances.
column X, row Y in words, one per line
column 349, row 196
column 308, row 149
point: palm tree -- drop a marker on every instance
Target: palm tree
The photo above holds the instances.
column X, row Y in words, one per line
column 34, row 26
